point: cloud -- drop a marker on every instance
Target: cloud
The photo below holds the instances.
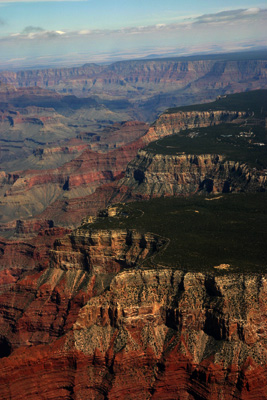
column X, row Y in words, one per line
column 254, row 10
column 37, row 33
column 243, row 17
column 32, row 29
column 230, row 16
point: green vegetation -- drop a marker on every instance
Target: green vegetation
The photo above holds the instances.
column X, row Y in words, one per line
column 255, row 101
column 203, row 232
column 225, row 139
column 244, row 142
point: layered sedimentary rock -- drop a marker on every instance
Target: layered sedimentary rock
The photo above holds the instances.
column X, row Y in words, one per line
column 42, row 291
column 170, row 123
column 88, row 320
column 28, row 252
column 150, row 175
column 151, row 334
column 170, row 335
column 143, row 89
column 27, row 193
column 172, row 181
column 104, row 251
column 129, row 75
column 67, row 194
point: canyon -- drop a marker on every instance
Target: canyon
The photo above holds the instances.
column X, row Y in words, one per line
column 91, row 325
column 131, row 267
column 161, row 175
column 53, row 194
column 148, row 87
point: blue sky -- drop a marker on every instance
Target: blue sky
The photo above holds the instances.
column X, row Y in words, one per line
column 74, row 32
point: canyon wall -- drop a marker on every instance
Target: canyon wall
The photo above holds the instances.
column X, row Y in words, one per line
column 89, row 319
column 42, row 289
column 143, row 89
column 120, row 332
column 25, row 194
column 170, row 123
column 93, row 180
column 151, row 175
column 150, row 74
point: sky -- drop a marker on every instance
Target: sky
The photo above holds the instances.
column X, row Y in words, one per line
column 64, row 33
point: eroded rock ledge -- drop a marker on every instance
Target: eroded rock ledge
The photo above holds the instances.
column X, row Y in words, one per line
column 170, row 123
column 104, row 251
column 167, row 175
column 154, row 334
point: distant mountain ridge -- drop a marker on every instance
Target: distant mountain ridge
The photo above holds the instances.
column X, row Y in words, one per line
column 151, row 86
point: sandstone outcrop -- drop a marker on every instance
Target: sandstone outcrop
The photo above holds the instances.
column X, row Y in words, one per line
column 104, row 251
column 150, row 175
column 170, row 123
column 152, row 334
column 42, row 291
column 89, row 319
column 31, row 250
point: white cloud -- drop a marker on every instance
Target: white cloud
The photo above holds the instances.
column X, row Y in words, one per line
column 243, row 17
column 85, row 32
column 231, row 15
column 254, row 10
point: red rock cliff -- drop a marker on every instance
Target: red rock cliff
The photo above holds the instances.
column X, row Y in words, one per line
column 150, row 175
column 152, row 334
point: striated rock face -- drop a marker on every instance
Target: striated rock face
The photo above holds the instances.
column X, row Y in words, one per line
column 32, row 295
column 152, row 334
column 145, row 88
column 170, row 335
column 104, row 251
column 167, row 175
column 78, row 188
column 148, row 74
column 28, row 193
column 27, row 253
column 170, row 123
column 32, row 226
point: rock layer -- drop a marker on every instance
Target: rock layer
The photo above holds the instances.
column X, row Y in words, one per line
column 149, row 74
column 169, row 175
column 27, row 193
column 105, row 251
column 79, row 262
column 150, row 175
column 153, row 334
column 170, row 123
